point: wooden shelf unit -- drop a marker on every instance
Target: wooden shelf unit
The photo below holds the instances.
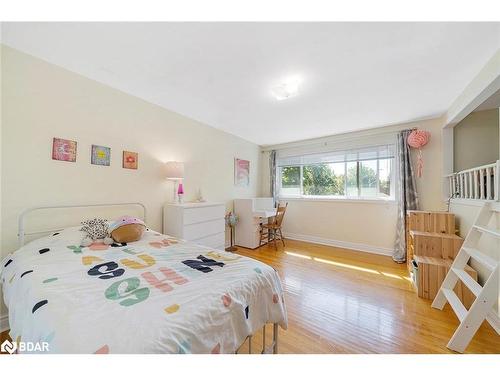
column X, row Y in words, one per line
column 431, row 221
column 432, row 243
column 436, row 222
column 441, row 245
column 431, row 274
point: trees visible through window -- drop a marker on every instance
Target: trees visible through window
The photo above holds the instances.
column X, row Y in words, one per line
column 370, row 178
column 290, row 180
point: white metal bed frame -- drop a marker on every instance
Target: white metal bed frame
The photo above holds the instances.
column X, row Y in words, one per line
column 272, row 348
column 21, row 234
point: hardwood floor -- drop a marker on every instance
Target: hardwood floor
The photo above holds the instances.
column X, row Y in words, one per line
column 342, row 301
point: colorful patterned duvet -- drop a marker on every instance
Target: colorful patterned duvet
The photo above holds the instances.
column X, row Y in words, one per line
column 157, row 295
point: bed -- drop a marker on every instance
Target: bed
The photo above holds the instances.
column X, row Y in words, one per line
column 157, row 295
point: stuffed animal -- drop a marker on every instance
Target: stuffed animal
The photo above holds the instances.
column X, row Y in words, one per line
column 127, row 229
column 95, row 229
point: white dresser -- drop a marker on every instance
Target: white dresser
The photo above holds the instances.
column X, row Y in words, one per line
column 201, row 223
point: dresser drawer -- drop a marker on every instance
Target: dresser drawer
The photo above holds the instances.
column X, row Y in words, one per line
column 199, row 230
column 215, row 241
column 201, row 214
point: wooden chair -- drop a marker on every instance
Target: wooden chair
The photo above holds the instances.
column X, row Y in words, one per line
column 273, row 227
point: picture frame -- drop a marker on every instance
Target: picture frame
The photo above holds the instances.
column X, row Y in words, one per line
column 241, row 172
column 64, row 150
column 130, row 160
column 100, row 155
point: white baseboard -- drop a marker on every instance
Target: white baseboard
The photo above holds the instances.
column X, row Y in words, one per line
column 4, row 323
column 343, row 244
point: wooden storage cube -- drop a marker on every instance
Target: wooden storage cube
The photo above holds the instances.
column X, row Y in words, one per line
column 431, row 274
column 430, row 221
column 437, row 222
column 439, row 245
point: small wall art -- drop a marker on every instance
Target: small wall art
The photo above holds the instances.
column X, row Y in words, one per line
column 130, row 160
column 100, row 155
column 63, row 149
column 241, row 172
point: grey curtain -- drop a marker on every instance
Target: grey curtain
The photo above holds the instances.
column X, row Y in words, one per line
column 407, row 194
column 272, row 179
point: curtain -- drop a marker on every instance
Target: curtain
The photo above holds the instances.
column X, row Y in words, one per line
column 407, row 194
column 272, row 180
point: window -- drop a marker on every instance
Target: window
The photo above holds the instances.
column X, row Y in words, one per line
column 290, row 180
column 353, row 174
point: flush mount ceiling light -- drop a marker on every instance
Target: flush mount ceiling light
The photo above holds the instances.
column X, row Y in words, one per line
column 288, row 89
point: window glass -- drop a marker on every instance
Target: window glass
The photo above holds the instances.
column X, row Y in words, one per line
column 368, row 178
column 352, row 179
column 323, row 179
column 384, row 177
column 362, row 173
column 290, row 181
column 338, row 169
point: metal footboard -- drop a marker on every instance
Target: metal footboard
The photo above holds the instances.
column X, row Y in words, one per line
column 271, row 349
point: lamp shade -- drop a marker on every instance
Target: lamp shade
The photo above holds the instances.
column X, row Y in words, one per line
column 174, row 170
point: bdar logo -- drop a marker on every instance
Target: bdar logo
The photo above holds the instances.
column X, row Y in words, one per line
column 8, row 347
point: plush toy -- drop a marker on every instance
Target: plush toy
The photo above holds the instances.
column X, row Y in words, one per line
column 95, row 229
column 127, row 229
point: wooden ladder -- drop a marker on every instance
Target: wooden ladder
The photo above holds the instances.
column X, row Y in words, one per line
column 486, row 295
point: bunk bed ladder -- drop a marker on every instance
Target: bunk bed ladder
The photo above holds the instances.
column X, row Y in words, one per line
column 486, row 295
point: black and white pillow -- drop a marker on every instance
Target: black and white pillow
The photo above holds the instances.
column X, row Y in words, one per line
column 95, row 228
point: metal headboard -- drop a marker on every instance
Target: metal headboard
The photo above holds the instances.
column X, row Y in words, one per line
column 21, row 223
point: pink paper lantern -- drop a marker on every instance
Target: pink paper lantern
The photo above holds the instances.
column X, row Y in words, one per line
column 418, row 139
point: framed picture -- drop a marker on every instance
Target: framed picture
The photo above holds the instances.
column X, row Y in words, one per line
column 63, row 149
column 241, row 172
column 130, row 160
column 100, row 155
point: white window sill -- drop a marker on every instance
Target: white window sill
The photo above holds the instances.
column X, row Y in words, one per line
column 339, row 200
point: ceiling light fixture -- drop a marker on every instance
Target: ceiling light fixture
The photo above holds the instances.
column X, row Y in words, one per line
column 288, row 89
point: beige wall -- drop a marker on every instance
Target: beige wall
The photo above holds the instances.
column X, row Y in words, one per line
column 41, row 101
column 476, row 140
column 368, row 226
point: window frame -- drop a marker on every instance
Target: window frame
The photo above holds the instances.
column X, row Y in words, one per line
column 345, row 197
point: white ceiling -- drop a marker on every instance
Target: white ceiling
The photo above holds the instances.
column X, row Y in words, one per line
column 354, row 75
